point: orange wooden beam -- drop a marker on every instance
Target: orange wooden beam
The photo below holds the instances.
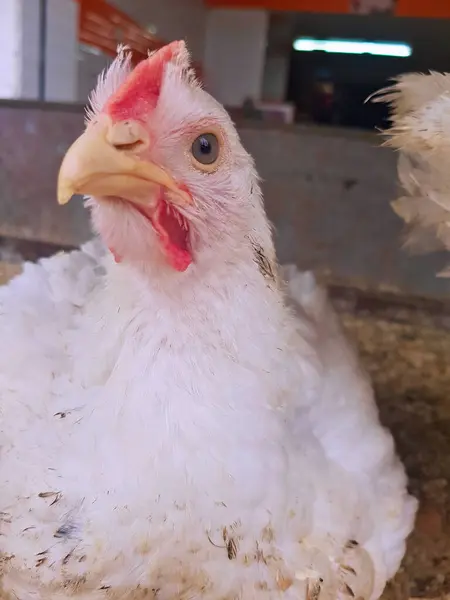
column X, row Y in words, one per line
column 314, row 6
column 432, row 9
column 402, row 8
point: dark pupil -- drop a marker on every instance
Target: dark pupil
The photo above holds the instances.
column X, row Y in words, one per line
column 205, row 149
column 205, row 146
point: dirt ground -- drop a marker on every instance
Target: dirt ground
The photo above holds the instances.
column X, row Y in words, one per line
column 406, row 349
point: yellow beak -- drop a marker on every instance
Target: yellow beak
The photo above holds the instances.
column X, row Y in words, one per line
column 99, row 164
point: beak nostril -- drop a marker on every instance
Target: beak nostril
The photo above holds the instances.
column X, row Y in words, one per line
column 130, row 146
column 127, row 136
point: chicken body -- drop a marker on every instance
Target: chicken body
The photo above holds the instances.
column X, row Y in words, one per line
column 196, row 460
column 197, row 434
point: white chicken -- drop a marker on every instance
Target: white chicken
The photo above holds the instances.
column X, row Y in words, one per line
column 420, row 112
column 170, row 427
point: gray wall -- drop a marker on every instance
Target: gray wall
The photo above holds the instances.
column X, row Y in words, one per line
column 326, row 191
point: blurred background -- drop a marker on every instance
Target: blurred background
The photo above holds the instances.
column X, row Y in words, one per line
column 294, row 74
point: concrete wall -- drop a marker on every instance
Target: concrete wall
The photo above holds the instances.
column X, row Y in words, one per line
column 235, row 52
column 32, row 144
column 10, row 49
column 19, row 48
column 90, row 64
column 61, row 51
column 327, row 192
column 275, row 78
column 29, row 49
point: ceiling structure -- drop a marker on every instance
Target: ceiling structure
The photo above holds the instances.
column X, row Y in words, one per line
column 104, row 26
column 435, row 9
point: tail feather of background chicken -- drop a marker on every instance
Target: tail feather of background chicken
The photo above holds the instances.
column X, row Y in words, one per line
column 420, row 113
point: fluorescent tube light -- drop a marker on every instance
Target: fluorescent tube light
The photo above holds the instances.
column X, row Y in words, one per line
column 395, row 49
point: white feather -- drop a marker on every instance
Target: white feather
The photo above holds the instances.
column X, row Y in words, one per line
column 109, row 81
column 420, row 110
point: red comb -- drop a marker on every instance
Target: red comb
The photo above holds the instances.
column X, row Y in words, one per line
column 141, row 90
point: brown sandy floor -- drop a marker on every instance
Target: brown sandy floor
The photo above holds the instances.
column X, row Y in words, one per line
column 407, row 353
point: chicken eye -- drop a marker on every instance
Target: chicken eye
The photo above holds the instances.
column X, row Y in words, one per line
column 205, row 149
